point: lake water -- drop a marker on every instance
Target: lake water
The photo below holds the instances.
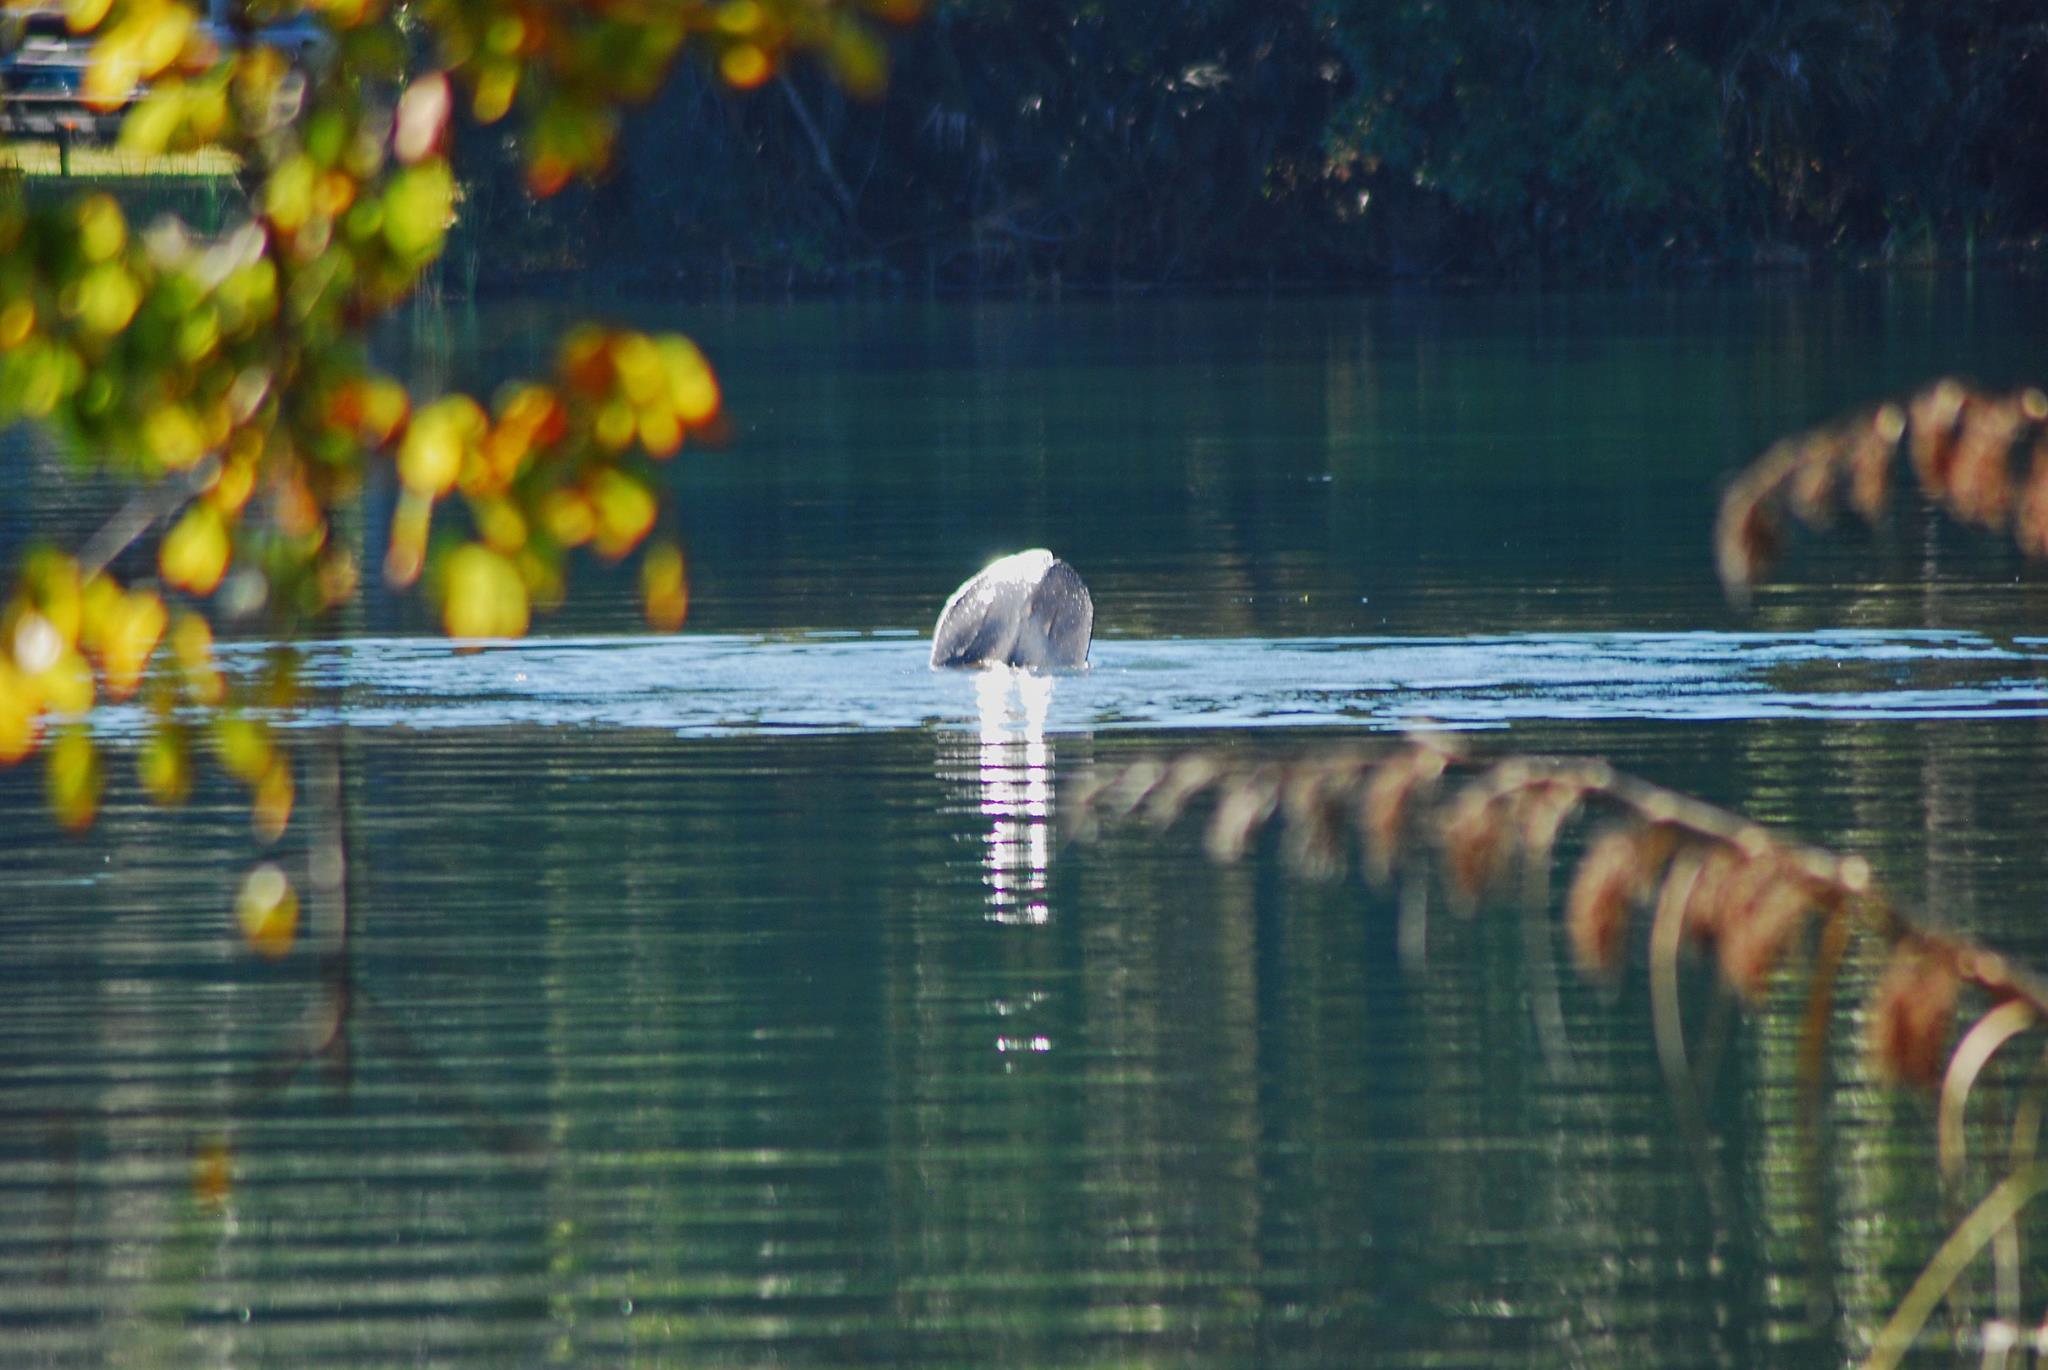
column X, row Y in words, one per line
column 738, row 997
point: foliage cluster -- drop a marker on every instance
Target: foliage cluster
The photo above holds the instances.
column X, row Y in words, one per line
column 227, row 381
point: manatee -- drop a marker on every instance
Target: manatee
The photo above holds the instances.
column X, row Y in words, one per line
column 1029, row 609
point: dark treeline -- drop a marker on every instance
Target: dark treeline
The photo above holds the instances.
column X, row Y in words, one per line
column 1035, row 142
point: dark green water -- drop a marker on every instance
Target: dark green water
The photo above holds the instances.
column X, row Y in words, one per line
column 735, row 999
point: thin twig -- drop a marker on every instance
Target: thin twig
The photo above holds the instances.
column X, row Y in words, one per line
column 144, row 510
column 1986, row 1220
column 819, row 147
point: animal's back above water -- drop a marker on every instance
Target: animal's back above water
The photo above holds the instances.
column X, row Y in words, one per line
column 1030, row 609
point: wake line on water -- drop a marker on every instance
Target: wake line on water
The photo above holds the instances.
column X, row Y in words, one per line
column 737, row 685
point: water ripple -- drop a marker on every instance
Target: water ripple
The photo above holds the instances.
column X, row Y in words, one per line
column 739, row 685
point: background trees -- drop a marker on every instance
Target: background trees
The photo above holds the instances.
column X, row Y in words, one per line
column 1229, row 140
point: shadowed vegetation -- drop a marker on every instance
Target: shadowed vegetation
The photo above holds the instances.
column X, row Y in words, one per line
column 1233, row 140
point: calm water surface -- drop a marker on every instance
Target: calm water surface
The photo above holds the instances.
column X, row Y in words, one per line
column 736, row 998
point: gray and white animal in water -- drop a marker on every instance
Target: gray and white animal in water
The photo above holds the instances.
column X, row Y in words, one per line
column 1029, row 609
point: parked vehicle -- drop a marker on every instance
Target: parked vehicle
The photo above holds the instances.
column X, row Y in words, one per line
column 43, row 65
column 42, row 79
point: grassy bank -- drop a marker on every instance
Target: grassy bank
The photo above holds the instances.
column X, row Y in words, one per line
column 202, row 188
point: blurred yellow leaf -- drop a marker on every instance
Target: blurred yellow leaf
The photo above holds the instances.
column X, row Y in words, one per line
column 102, row 230
column 288, row 193
column 194, row 554
column 347, row 14
column 613, row 425
column 50, row 587
column 570, row 519
column 48, row 373
column 66, row 686
column 419, row 204
column 71, row 779
column 259, row 75
column 296, row 508
column 505, row 34
column 502, row 525
column 740, row 17
column 192, row 644
column 664, row 587
column 267, row 911
column 585, row 360
column 497, row 84
column 17, row 321
column 164, row 765
column 534, row 409
column 106, row 298
column 272, row 809
column 19, row 710
column 430, row 457
column 744, row 66
column 245, row 397
column 858, row 59
column 566, row 135
column 639, row 365
column 100, row 602
column 693, row 389
column 213, row 1178
column 83, row 16
column 385, row 407
column 661, row 432
column 233, row 486
column 543, row 576
column 407, row 551
column 206, row 113
column 127, row 636
column 173, row 436
column 114, row 70
column 163, row 32
column 149, row 127
column 333, row 193
column 199, row 334
column 281, row 679
column 337, row 577
column 243, row 746
column 625, row 512
column 483, row 594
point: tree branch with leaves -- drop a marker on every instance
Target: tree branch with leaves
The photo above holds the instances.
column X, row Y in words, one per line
column 228, row 381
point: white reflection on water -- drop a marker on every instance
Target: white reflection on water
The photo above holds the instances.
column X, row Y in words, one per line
column 1016, row 791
